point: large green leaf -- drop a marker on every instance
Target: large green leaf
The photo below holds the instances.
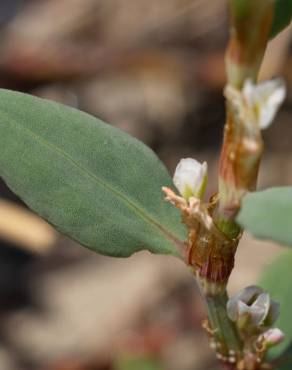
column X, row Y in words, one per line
column 268, row 214
column 282, row 16
column 277, row 280
column 91, row 181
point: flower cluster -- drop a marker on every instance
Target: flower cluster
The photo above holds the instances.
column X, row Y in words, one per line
column 254, row 313
column 213, row 234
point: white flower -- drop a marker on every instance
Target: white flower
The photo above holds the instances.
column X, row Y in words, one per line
column 258, row 103
column 190, row 178
column 272, row 337
column 252, row 309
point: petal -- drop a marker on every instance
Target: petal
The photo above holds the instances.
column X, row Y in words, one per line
column 273, row 314
column 260, row 309
column 263, row 100
column 190, row 177
column 272, row 104
column 247, row 295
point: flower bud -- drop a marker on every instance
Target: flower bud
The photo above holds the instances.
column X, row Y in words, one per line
column 258, row 104
column 272, row 337
column 190, row 178
column 252, row 310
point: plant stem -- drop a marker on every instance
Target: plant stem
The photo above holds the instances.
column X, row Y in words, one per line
column 250, row 26
column 238, row 170
column 224, row 329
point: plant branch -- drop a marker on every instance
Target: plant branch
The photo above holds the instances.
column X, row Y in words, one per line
column 241, row 152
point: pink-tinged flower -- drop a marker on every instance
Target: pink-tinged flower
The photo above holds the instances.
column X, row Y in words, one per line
column 257, row 104
column 272, row 337
column 190, row 178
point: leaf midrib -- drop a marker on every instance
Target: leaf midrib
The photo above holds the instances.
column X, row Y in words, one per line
column 99, row 181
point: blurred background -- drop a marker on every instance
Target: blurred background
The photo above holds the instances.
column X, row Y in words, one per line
column 156, row 70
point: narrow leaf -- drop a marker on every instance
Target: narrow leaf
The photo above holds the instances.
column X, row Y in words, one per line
column 91, row 181
column 268, row 214
column 277, row 280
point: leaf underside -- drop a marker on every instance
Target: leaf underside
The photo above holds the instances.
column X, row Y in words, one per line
column 91, row 181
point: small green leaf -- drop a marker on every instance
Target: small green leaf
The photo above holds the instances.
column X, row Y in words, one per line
column 282, row 16
column 268, row 214
column 277, row 280
column 91, row 181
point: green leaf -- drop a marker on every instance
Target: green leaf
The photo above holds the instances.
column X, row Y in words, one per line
column 91, row 181
column 268, row 214
column 282, row 16
column 277, row 280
